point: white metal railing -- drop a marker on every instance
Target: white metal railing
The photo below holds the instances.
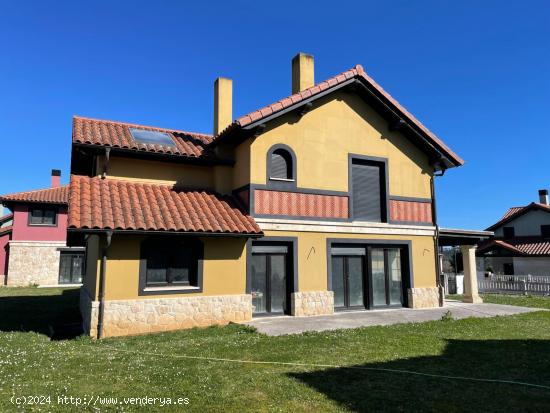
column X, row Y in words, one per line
column 518, row 284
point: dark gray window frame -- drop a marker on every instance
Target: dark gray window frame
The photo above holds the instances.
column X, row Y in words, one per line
column 545, row 228
column 385, row 186
column 197, row 244
column 291, row 242
column 44, row 208
column 408, row 275
column 72, row 252
column 277, row 183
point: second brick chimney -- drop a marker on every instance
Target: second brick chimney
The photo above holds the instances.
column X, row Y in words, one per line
column 56, row 178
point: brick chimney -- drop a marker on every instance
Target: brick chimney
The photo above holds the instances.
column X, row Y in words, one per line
column 302, row 72
column 56, row 178
column 223, row 104
column 543, row 196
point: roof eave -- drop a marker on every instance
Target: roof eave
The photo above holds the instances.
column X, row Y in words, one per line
column 447, row 157
column 165, row 232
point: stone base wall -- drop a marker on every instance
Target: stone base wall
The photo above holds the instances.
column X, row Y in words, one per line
column 33, row 262
column 423, row 297
column 148, row 315
column 312, row 303
column 89, row 311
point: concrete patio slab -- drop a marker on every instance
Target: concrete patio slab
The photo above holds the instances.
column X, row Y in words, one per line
column 276, row 326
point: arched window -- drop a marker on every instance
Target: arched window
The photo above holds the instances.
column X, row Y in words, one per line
column 281, row 164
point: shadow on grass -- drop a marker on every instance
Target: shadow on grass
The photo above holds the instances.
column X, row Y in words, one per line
column 56, row 315
column 384, row 391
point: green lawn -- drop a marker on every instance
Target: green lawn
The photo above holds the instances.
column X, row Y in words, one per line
column 513, row 348
column 536, row 301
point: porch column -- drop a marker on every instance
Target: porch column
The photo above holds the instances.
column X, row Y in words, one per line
column 470, row 274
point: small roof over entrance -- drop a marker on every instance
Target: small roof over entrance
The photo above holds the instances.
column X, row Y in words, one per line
column 450, row 236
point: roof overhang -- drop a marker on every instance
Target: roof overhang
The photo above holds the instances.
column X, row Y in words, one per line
column 451, row 237
column 97, row 149
column 398, row 118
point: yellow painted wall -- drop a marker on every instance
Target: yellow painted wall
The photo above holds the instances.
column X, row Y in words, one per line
column 337, row 125
column 186, row 176
column 223, row 179
column 241, row 169
column 223, row 272
column 312, row 257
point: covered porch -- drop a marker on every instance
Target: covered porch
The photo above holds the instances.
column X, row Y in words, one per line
column 467, row 240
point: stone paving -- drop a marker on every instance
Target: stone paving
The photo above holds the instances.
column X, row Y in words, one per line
column 276, row 326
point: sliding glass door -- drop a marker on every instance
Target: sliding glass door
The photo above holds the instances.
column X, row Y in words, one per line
column 348, row 281
column 367, row 276
column 385, row 273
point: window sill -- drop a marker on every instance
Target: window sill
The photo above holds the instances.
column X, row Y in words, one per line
column 281, row 179
column 172, row 288
column 42, row 225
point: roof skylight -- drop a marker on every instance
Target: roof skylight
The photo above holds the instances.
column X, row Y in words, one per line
column 151, row 137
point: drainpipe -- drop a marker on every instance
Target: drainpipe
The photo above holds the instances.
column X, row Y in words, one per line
column 106, row 163
column 102, row 276
column 436, row 237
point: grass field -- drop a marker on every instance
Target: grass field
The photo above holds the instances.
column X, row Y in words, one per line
column 362, row 370
column 536, row 301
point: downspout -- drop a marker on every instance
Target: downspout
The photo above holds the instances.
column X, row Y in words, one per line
column 102, row 276
column 436, row 236
column 106, row 163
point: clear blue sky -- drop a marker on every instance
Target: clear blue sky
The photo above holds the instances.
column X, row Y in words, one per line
column 477, row 73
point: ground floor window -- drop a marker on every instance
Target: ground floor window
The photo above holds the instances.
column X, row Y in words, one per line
column 368, row 276
column 71, row 267
column 170, row 263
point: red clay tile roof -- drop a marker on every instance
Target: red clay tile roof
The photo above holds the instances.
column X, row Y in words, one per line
column 511, row 212
column 59, row 195
column 520, row 245
column 5, row 230
column 515, row 212
column 117, row 135
column 358, row 73
column 97, row 203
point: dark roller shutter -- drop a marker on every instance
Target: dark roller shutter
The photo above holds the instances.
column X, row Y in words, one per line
column 367, row 194
column 280, row 167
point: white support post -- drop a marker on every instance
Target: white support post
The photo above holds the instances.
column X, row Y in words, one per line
column 471, row 294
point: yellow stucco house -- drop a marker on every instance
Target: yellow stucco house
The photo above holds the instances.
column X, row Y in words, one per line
column 320, row 202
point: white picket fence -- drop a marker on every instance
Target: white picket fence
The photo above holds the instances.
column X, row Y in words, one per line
column 515, row 284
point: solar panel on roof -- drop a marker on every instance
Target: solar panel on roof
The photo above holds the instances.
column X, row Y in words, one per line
column 153, row 137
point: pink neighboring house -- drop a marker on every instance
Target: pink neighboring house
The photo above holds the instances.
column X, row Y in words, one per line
column 33, row 248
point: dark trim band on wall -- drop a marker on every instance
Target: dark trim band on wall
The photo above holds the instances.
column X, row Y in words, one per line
column 365, row 243
column 293, row 241
column 409, row 199
column 416, row 223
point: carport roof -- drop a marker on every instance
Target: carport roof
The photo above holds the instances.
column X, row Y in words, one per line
column 454, row 236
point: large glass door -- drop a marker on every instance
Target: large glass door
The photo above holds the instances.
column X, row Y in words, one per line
column 269, row 282
column 71, row 268
column 385, row 273
column 348, row 281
